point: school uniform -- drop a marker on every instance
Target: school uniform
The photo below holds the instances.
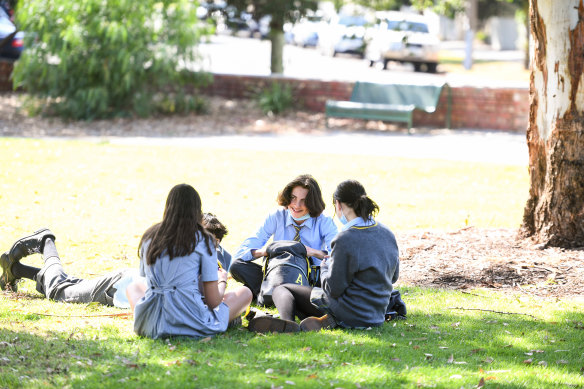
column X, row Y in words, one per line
column 315, row 232
column 357, row 280
column 173, row 304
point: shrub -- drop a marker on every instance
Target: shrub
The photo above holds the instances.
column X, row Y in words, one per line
column 93, row 59
column 275, row 99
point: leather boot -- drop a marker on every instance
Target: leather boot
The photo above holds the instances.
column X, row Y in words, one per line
column 272, row 324
column 32, row 244
column 7, row 279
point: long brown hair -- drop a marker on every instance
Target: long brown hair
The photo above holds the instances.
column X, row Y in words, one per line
column 176, row 235
column 352, row 193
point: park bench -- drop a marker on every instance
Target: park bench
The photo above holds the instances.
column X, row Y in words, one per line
column 389, row 102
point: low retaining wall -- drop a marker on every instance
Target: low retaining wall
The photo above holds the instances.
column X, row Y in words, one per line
column 472, row 107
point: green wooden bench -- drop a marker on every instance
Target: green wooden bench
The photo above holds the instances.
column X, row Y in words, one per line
column 389, row 102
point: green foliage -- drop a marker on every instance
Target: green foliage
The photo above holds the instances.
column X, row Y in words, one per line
column 447, row 8
column 95, row 59
column 275, row 99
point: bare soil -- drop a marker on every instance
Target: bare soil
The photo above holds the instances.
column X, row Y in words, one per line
column 464, row 259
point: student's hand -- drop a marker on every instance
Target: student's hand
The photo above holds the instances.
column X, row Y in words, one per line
column 221, row 275
column 316, row 253
column 259, row 253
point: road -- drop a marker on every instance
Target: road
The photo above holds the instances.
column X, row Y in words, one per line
column 498, row 147
column 234, row 55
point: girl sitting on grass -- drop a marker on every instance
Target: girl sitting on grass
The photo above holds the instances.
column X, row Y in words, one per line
column 357, row 279
column 174, row 255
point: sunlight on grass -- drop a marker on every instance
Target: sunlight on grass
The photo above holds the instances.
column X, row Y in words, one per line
column 98, row 198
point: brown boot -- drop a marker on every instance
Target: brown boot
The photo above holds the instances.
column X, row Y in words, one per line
column 272, row 324
column 318, row 323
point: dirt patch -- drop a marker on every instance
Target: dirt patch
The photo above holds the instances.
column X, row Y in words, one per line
column 464, row 259
column 489, row 258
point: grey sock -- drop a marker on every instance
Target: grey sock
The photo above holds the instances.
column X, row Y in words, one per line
column 50, row 250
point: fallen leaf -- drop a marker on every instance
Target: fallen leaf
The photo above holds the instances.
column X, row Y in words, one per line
column 528, row 361
column 476, row 350
column 542, row 363
column 307, row 349
column 488, row 360
column 269, row 371
column 481, row 383
column 428, row 356
column 395, row 359
column 450, row 359
column 562, row 362
column 312, row 376
column 455, row 324
column 455, row 376
column 290, row 382
column 442, row 347
column 416, row 347
column 205, row 340
column 490, row 378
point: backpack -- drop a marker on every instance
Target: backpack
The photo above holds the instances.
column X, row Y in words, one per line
column 286, row 263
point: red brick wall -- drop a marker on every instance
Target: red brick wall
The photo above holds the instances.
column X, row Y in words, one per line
column 472, row 107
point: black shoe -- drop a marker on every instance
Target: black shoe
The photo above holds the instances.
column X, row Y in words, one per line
column 7, row 279
column 235, row 323
column 272, row 324
column 32, row 244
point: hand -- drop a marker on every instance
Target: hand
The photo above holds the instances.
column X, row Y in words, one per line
column 259, row 253
column 316, row 253
column 221, row 275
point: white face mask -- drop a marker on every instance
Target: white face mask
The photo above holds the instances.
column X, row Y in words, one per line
column 301, row 218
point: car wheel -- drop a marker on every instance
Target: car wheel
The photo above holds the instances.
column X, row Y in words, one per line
column 431, row 67
column 385, row 62
column 417, row 66
column 371, row 63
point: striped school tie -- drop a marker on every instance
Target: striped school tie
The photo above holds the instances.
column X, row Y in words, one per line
column 297, row 235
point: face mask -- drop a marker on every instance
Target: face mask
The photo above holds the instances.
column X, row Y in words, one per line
column 301, row 218
column 343, row 219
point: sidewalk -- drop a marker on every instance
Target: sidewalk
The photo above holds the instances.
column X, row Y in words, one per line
column 496, row 147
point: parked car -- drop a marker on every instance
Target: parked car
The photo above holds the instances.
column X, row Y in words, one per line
column 343, row 34
column 402, row 37
column 11, row 40
column 305, row 32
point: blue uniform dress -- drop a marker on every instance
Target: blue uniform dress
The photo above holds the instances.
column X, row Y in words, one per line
column 173, row 304
column 316, row 232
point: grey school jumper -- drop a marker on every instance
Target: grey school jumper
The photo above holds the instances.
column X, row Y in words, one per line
column 358, row 278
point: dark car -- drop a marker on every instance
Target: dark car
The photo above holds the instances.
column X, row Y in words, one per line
column 10, row 39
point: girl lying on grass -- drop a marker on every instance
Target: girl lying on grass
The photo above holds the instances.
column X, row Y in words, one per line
column 175, row 256
column 357, row 279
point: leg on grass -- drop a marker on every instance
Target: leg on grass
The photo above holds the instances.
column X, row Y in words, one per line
column 293, row 300
column 237, row 301
column 135, row 291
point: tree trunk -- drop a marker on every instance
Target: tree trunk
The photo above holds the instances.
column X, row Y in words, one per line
column 554, row 214
column 277, row 39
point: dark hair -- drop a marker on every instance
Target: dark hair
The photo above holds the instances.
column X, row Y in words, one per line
column 353, row 194
column 214, row 226
column 313, row 202
column 176, row 235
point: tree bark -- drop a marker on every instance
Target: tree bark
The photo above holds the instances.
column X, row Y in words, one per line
column 277, row 40
column 554, row 214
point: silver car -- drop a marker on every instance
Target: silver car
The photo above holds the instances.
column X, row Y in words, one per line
column 404, row 38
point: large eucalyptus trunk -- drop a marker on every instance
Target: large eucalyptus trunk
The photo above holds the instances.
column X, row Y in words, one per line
column 554, row 214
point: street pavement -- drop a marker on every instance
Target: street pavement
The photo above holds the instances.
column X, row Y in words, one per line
column 496, row 147
column 248, row 56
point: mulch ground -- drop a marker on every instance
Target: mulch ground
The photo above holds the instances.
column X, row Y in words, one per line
column 464, row 259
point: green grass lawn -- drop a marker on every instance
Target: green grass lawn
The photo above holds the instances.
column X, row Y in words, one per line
column 99, row 198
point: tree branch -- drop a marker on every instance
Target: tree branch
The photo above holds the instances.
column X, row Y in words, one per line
column 490, row 310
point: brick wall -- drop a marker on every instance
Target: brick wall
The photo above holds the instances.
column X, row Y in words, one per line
column 472, row 107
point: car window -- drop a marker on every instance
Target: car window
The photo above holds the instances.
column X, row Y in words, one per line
column 352, row 21
column 405, row 25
